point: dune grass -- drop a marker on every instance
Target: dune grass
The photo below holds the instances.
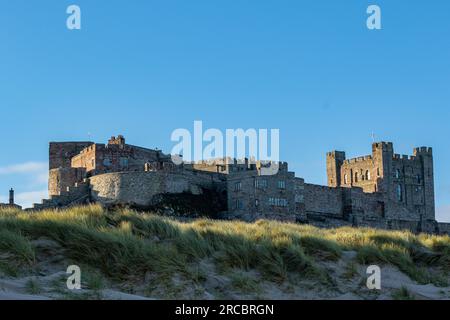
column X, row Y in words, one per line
column 402, row 294
column 128, row 245
column 33, row 287
column 15, row 251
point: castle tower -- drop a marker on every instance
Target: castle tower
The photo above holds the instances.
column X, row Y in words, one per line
column 383, row 153
column 11, row 196
column 335, row 159
column 120, row 140
column 426, row 157
column 61, row 153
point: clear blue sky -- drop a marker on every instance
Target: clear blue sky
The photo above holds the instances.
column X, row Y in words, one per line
column 144, row 68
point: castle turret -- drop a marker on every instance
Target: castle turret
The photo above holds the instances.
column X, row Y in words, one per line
column 426, row 157
column 383, row 153
column 335, row 159
column 120, row 140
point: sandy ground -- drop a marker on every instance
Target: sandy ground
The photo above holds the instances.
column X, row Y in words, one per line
column 49, row 279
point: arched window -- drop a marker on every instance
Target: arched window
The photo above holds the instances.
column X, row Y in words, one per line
column 397, row 173
column 368, row 175
column 399, row 193
column 356, row 176
column 346, row 179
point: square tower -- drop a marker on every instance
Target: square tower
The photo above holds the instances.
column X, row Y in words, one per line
column 335, row 159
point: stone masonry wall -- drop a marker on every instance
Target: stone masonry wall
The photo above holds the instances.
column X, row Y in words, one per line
column 444, row 228
column 139, row 188
column 254, row 196
column 61, row 153
column 62, row 178
column 323, row 200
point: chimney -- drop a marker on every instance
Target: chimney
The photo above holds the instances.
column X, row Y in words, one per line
column 11, row 196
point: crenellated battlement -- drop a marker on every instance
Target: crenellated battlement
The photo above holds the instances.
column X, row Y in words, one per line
column 404, row 157
column 423, row 151
column 358, row 159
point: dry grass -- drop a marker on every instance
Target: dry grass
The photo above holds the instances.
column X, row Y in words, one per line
column 127, row 244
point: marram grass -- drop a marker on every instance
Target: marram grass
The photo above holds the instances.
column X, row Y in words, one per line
column 126, row 244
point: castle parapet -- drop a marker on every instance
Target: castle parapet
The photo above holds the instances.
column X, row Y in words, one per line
column 358, row 159
column 423, row 150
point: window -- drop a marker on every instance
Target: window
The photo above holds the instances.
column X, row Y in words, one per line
column 378, row 172
column 107, row 162
column 419, row 179
column 239, row 205
column 123, row 162
column 399, row 193
column 256, row 202
column 356, row 177
column 397, row 173
column 261, row 183
column 238, row 186
column 278, row 202
column 281, row 184
column 299, row 198
column 346, row 179
column 368, row 175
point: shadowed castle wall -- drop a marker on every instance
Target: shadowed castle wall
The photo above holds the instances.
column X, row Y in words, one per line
column 140, row 188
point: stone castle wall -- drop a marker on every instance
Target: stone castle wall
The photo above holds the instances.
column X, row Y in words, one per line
column 321, row 200
column 140, row 188
column 61, row 153
column 253, row 196
column 444, row 228
column 62, row 178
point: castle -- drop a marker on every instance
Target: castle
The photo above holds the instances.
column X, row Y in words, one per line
column 381, row 190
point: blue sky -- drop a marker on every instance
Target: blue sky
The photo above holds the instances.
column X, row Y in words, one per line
column 144, row 68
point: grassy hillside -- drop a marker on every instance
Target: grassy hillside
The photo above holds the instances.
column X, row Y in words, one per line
column 158, row 257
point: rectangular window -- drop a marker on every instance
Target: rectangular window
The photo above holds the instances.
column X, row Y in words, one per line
column 238, row 186
column 123, row 162
column 239, row 205
column 299, row 198
column 399, row 193
column 261, row 183
column 107, row 162
column 281, row 184
column 278, row 202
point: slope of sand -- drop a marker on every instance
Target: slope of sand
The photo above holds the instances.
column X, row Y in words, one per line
column 49, row 277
